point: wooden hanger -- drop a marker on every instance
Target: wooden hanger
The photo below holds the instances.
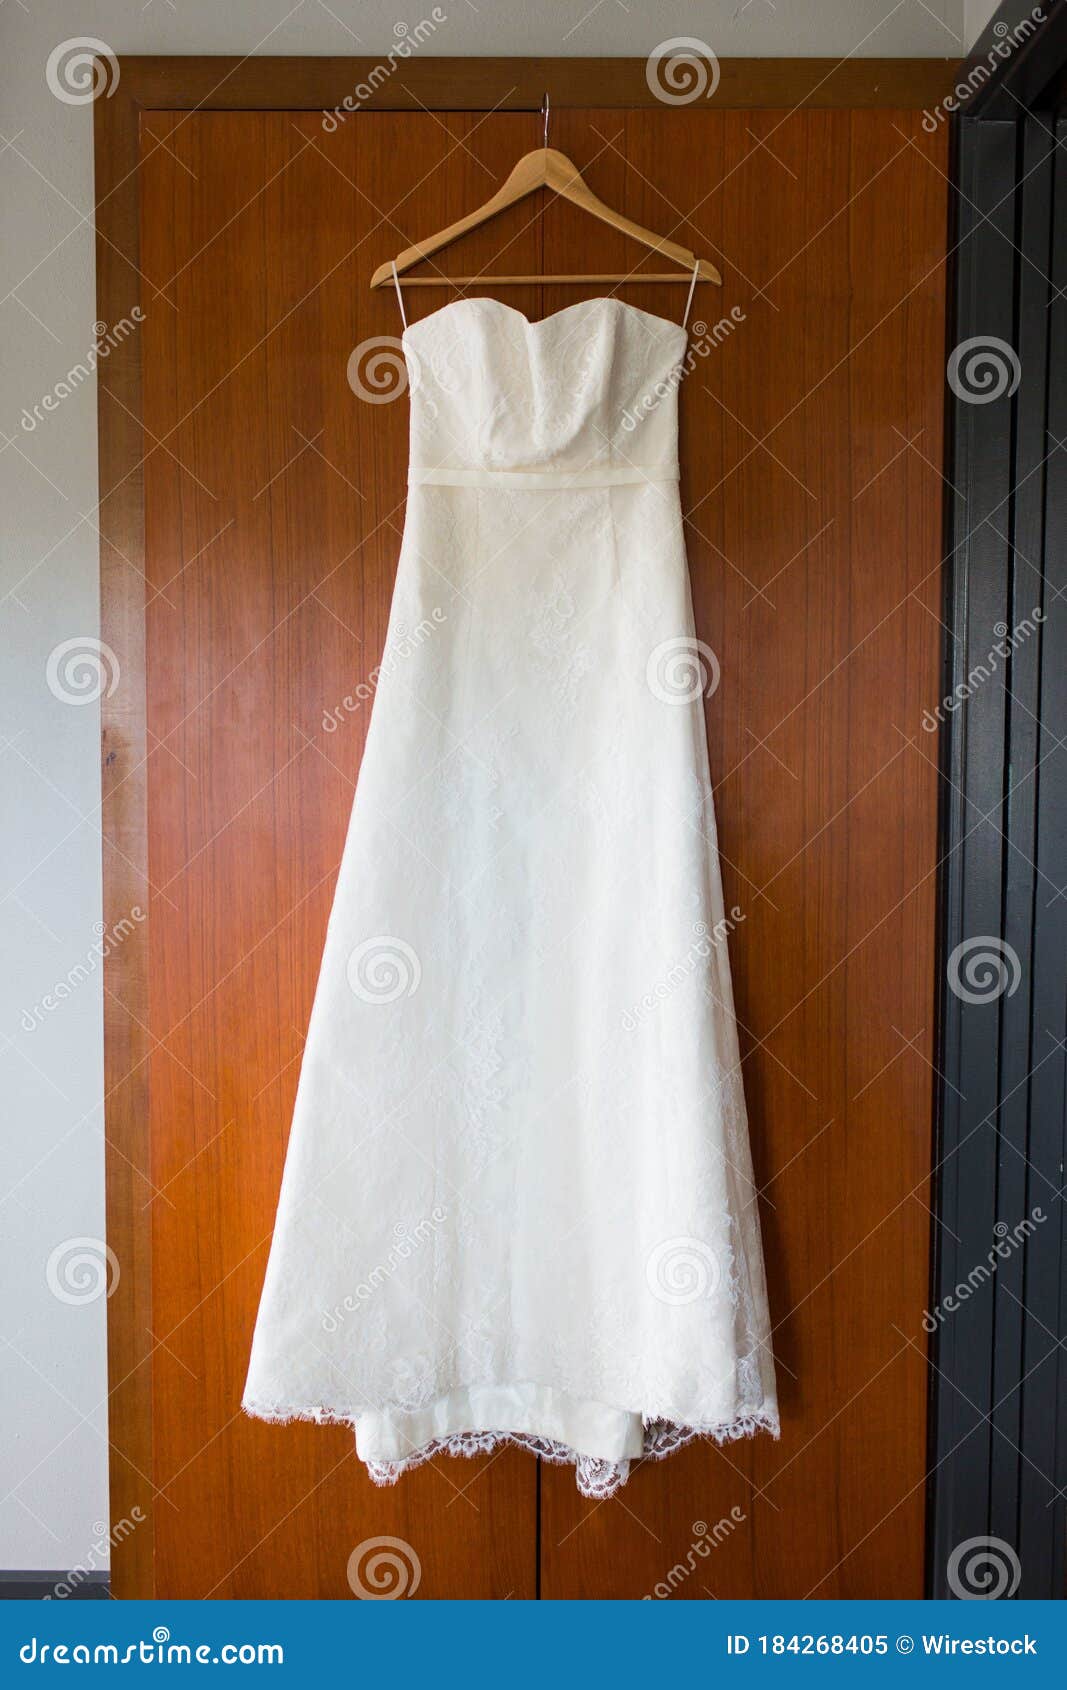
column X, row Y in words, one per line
column 544, row 167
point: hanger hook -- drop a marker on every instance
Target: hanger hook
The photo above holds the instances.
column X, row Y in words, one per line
column 545, row 114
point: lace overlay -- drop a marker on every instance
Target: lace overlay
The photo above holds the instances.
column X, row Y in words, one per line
column 594, row 1477
column 518, row 1189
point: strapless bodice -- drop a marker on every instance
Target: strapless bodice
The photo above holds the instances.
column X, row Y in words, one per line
column 587, row 393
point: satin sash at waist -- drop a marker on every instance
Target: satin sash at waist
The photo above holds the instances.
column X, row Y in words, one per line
column 545, row 480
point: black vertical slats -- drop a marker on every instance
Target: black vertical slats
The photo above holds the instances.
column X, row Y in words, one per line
column 972, row 845
column 1025, row 522
column 1044, row 1366
column 999, row 1378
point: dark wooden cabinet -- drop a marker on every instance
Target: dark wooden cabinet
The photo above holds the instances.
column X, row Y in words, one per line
column 274, row 502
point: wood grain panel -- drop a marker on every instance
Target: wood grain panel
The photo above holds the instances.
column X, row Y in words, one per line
column 811, row 446
column 813, row 535
column 426, row 82
column 275, row 502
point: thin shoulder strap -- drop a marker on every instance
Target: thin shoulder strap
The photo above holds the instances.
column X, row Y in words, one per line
column 400, row 297
column 689, row 298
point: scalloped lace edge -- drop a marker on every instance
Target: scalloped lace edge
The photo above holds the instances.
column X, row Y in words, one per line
column 594, row 1477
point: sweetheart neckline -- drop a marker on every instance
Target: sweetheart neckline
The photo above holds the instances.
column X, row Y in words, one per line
column 553, row 316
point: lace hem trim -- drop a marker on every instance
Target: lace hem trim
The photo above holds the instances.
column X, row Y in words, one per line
column 594, row 1477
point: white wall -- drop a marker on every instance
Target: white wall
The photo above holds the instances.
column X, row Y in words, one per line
column 976, row 14
column 53, row 1430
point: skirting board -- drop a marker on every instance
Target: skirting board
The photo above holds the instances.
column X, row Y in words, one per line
column 59, row 1586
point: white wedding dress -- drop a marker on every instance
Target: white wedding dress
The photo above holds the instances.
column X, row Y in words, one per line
column 518, row 1200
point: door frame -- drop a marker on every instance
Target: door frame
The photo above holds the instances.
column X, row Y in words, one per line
column 143, row 84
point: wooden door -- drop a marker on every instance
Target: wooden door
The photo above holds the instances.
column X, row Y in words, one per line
column 274, row 485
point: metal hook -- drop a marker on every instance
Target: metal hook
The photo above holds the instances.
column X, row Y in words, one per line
column 544, row 114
